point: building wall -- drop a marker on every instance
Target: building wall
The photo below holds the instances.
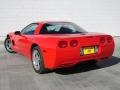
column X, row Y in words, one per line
column 93, row 15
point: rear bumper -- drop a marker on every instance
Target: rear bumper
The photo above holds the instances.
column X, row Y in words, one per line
column 68, row 57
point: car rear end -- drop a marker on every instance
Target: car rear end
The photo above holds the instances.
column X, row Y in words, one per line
column 68, row 44
column 73, row 50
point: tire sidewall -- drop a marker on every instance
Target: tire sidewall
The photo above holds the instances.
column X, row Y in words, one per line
column 6, row 47
column 41, row 63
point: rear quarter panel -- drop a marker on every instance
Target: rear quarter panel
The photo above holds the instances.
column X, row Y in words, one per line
column 47, row 46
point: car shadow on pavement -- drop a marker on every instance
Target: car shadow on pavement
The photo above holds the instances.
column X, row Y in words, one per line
column 84, row 67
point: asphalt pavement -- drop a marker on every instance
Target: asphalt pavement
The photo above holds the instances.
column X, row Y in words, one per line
column 16, row 73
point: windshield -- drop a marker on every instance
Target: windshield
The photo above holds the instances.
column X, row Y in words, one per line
column 61, row 28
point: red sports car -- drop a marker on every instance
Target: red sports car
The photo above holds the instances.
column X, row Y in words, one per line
column 52, row 45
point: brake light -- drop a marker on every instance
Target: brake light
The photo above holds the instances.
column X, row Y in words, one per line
column 74, row 43
column 102, row 40
column 109, row 39
column 63, row 44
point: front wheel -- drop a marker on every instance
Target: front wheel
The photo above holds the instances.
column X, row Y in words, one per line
column 37, row 61
column 8, row 45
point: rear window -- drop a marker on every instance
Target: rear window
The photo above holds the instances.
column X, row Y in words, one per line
column 61, row 28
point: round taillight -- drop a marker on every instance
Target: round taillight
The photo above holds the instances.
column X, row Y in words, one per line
column 73, row 43
column 109, row 39
column 63, row 44
column 102, row 40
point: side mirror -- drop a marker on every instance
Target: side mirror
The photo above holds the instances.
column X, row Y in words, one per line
column 17, row 32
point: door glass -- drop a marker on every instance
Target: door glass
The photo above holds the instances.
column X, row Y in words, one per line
column 29, row 30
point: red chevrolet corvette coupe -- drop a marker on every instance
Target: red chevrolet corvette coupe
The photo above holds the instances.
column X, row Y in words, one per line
column 52, row 45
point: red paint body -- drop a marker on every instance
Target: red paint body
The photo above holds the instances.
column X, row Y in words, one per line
column 56, row 57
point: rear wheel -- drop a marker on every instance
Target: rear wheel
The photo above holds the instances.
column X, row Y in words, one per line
column 37, row 61
column 8, row 45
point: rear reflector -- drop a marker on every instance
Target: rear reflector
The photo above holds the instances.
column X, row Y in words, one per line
column 63, row 44
column 74, row 43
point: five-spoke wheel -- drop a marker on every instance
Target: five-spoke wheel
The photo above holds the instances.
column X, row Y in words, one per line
column 37, row 60
column 8, row 45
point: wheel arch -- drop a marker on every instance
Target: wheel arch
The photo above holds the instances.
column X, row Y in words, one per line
column 31, row 48
column 8, row 36
column 44, row 69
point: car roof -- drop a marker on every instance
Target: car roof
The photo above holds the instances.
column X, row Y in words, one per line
column 51, row 22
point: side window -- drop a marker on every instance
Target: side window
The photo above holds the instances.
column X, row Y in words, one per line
column 29, row 30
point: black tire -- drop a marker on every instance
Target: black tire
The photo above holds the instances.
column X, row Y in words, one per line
column 42, row 68
column 5, row 44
